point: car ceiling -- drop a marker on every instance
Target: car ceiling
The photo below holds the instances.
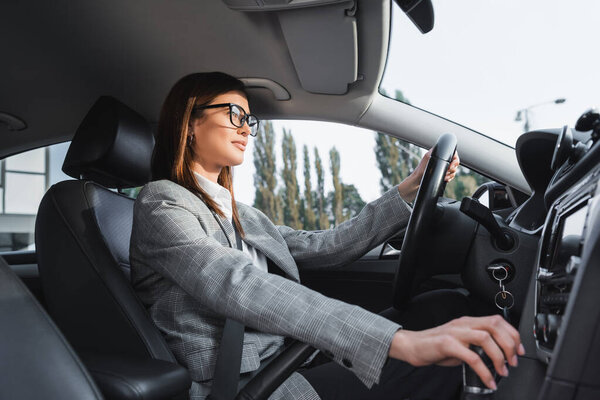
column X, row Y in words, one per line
column 60, row 56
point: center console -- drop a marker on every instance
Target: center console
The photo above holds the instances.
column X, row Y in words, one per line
column 563, row 242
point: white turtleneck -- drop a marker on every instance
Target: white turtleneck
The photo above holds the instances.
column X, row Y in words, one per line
column 222, row 198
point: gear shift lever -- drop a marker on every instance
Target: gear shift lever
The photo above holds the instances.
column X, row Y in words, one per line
column 473, row 387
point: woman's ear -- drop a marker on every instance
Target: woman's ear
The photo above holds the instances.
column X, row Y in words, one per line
column 190, row 135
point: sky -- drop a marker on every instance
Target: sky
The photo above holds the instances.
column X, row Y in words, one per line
column 486, row 59
column 483, row 61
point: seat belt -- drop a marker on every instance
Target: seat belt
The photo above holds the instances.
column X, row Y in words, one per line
column 229, row 360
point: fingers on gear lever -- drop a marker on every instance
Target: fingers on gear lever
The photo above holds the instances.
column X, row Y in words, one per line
column 473, row 386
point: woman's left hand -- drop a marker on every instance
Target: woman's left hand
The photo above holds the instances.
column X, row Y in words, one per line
column 408, row 188
column 420, row 170
column 453, row 168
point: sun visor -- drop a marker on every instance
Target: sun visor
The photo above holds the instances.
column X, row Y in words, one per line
column 323, row 45
column 321, row 37
column 276, row 5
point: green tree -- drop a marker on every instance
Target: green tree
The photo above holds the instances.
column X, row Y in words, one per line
column 132, row 192
column 387, row 155
column 309, row 217
column 352, row 203
column 338, row 191
column 291, row 198
column 464, row 184
column 266, row 198
column 323, row 220
column 399, row 96
column 396, row 158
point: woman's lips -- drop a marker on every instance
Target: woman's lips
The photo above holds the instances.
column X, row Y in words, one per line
column 240, row 145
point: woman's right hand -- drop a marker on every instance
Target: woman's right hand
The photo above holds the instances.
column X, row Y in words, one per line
column 448, row 345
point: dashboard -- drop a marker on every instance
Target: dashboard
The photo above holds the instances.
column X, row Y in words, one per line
column 559, row 260
column 560, row 322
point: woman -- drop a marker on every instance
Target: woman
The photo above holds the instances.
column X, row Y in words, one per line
column 188, row 271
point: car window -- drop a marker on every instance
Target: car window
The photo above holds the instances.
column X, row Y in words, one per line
column 314, row 175
column 130, row 192
column 481, row 65
column 397, row 158
column 304, row 174
column 24, row 178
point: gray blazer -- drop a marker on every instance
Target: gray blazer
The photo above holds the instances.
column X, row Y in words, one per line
column 191, row 277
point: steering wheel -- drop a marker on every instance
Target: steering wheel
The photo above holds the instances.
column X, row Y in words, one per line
column 420, row 222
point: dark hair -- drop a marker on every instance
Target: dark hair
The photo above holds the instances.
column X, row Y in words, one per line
column 173, row 158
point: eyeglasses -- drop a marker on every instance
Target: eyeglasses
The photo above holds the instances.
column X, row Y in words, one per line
column 237, row 115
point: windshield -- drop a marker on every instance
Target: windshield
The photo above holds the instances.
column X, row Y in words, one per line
column 499, row 67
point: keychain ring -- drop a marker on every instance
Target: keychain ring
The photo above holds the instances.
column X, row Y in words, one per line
column 503, row 269
column 504, row 295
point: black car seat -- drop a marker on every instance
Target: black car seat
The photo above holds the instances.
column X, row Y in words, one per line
column 31, row 348
column 82, row 241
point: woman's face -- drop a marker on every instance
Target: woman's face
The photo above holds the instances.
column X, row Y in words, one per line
column 217, row 142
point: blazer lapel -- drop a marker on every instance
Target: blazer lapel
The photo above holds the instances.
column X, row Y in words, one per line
column 256, row 237
column 228, row 228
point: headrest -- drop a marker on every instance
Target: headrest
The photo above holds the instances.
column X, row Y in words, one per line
column 112, row 146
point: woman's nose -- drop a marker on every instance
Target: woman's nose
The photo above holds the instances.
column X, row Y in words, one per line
column 244, row 130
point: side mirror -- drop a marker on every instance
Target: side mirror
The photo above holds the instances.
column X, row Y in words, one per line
column 482, row 194
column 420, row 13
column 496, row 196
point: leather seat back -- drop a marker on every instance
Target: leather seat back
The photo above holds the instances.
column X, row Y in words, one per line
column 31, row 349
column 82, row 237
